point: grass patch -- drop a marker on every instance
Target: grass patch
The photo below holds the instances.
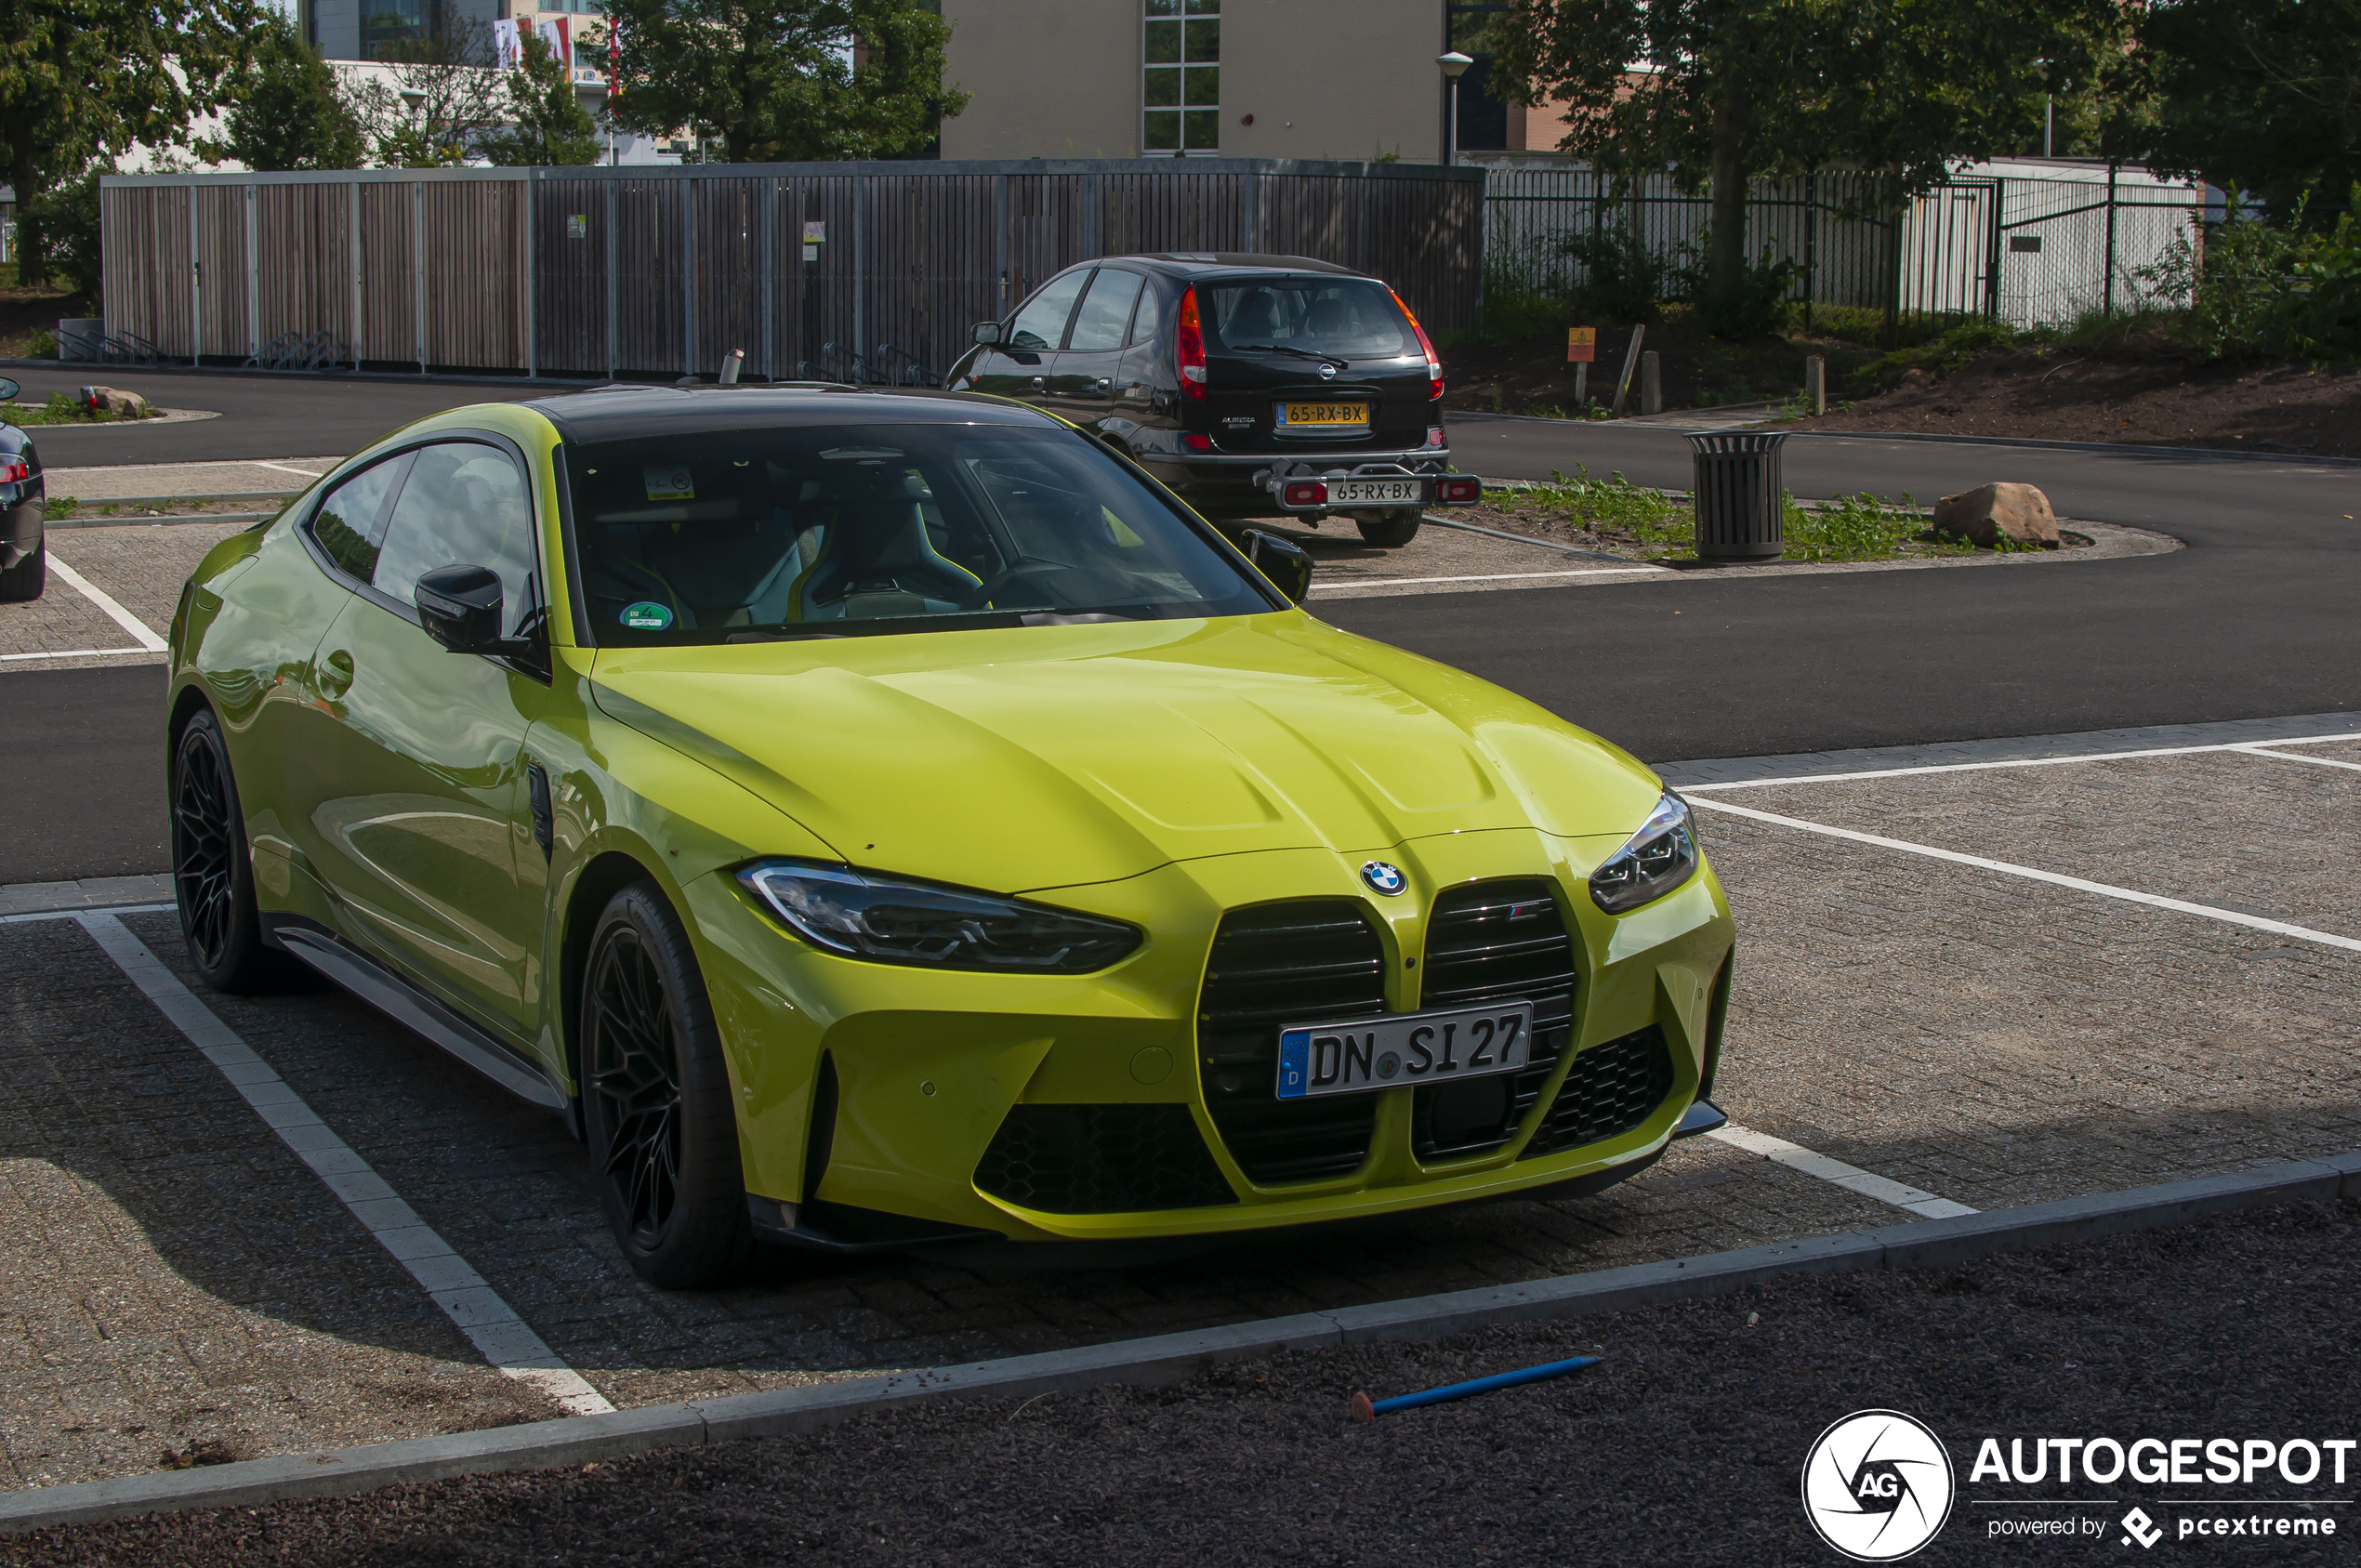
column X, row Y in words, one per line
column 62, row 410
column 1655, row 525
column 60, row 506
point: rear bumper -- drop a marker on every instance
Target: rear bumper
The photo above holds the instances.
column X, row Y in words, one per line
column 1228, row 481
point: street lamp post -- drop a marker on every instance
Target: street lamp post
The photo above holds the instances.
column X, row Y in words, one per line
column 1453, row 65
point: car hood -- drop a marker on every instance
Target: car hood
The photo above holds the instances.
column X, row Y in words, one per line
column 1038, row 758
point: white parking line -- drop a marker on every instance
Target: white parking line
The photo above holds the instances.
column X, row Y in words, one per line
column 78, row 913
column 2018, row 762
column 2105, row 889
column 505, row 1339
column 1779, row 1151
column 73, row 652
column 1498, row 577
column 148, row 641
column 2258, row 749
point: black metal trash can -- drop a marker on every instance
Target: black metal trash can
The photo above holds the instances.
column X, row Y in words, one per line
column 1738, row 490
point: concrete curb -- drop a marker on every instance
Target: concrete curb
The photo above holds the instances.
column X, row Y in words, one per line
column 1173, row 1358
column 159, row 520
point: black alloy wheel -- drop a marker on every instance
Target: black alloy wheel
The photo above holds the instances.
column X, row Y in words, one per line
column 655, row 1099
column 212, row 875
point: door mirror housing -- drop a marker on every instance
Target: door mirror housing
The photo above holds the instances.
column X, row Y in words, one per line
column 1281, row 561
column 7, row 389
column 986, row 334
column 460, row 606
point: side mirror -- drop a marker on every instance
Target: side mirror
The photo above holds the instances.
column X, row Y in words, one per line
column 987, row 334
column 1281, row 561
column 459, row 607
column 7, row 389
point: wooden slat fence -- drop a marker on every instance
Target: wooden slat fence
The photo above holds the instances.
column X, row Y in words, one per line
column 662, row 272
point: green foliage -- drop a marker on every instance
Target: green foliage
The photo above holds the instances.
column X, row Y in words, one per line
column 2275, row 289
column 67, row 215
column 440, row 101
column 1737, row 89
column 289, row 113
column 42, row 345
column 1650, row 517
column 1862, row 527
column 84, row 81
column 1627, row 280
column 551, row 129
column 1752, row 302
column 2262, row 94
column 771, row 79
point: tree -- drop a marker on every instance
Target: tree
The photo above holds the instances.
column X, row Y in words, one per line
column 2262, row 94
column 289, row 113
column 1721, row 92
column 82, row 81
column 552, row 127
column 786, row 79
column 440, row 98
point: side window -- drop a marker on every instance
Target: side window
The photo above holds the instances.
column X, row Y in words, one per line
column 463, row 505
column 1150, row 315
column 1042, row 324
column 345, row 524
column 1106, row 310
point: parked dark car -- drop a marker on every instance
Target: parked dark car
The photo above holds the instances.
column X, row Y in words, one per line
column 1254, row 386
column 24, row 559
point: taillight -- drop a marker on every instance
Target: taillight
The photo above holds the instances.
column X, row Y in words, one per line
column 1188, row 346
column 1305, row 493
column 1435, row 436
column 14, row 472
column 1434, row 364
column 1196, row 440
column 1458, row 489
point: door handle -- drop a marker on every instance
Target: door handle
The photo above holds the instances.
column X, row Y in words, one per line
column 335, row 676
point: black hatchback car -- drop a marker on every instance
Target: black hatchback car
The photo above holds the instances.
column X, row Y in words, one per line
column 1253, row 386
column 24, row 559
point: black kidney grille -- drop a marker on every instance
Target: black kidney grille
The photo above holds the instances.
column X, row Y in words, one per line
column 1609, row 1090
column 1311, row 960
column 1490, row 942
column 1102, row 1159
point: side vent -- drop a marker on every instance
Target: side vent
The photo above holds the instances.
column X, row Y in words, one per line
column 536, row 785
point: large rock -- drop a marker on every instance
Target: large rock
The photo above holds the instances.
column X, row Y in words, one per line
column 1983, row 516
column 107, row 400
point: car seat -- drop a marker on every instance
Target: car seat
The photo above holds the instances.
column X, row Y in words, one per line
column 878, row 560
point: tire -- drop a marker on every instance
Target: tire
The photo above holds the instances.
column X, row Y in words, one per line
column 1392, row 529
column 213, row 873
column 655, row 1100
column 24, row 581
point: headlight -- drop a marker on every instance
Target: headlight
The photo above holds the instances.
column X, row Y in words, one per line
column 1652, row 862
column 896, row 922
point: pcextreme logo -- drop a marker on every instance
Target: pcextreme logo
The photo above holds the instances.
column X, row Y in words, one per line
column 1878, row 1485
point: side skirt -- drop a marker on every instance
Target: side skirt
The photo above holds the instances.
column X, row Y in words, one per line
column 408, row 1006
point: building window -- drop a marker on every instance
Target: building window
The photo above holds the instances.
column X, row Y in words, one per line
column 1484, row 115
column 1183, row 90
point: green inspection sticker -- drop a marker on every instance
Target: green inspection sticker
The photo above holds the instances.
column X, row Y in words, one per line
column 646, row 615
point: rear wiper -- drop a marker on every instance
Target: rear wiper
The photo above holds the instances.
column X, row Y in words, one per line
column 1283, row 349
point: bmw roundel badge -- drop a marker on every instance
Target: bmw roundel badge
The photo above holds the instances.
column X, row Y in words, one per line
column 1384, row 878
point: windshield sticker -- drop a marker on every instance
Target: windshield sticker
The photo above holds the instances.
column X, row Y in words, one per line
column 647, row 615
column 669, row 484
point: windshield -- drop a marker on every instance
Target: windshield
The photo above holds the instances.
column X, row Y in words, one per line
column 748, row 535
column 1327, row 318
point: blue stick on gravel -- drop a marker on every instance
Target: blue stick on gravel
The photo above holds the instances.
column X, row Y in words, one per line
column 1367, row 1409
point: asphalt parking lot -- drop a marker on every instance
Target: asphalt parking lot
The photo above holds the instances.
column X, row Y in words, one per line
column 1981, row 985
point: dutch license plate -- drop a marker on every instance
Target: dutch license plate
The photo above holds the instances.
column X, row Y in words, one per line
column 1387, row 1052
column 1360, row 491
column 1322, row 414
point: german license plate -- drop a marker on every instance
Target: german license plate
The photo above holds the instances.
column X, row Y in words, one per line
column 1324, row 416
column 1386, row 492
column 1387, row 1052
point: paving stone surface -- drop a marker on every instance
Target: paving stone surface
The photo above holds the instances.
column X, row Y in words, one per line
column 140, row 567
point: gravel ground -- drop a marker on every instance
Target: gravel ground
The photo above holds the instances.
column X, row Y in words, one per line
column 1685, row 1446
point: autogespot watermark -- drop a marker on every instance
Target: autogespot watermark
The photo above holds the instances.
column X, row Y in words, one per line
column 1878, row 1485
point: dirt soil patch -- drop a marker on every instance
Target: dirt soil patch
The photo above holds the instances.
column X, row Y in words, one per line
column 2059, row 394
column 1531, row 376
column 1685, row 1446
column 24, row 311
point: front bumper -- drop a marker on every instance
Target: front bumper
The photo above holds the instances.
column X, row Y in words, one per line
column 897, row 1091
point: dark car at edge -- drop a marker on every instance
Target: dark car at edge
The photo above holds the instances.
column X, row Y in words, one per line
column 1252, row 385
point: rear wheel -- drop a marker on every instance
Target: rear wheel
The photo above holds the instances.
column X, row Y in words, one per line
column 212, row 874
column 24, row 581
column 655, row 1099
column 1393, row 529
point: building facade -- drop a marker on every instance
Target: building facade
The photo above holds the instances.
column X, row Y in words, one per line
column 1327, row 79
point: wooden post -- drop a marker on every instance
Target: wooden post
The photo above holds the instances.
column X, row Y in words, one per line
column 1581, row 385
column 1631, row 362
column 1651, row 383
column 2109, row 306
column 1816, row 385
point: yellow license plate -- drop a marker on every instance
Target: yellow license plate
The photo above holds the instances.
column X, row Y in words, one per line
column 1328, row 413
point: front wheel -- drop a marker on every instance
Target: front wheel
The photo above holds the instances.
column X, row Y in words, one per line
column 1392, row 529
column 212, row 873
column 655, row 1100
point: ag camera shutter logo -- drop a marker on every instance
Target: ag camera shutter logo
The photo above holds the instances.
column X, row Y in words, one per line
column 1878, row 1485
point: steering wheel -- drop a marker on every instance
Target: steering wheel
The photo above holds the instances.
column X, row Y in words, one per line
column 983, row 593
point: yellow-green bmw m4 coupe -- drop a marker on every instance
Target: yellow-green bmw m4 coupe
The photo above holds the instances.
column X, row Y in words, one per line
column 879, row 817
